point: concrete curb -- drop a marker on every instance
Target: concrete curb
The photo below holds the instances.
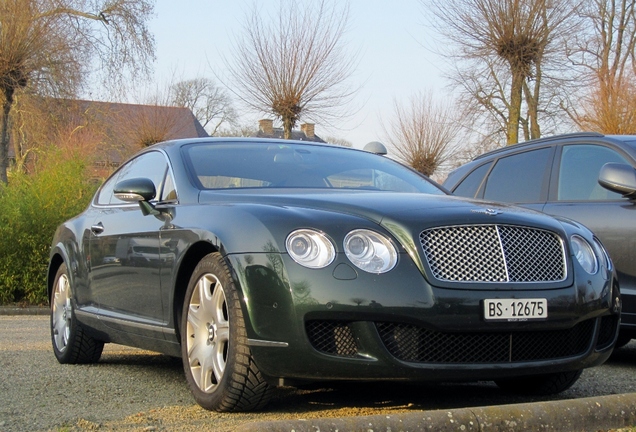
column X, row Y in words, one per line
column 29, row 310
column 587, row 414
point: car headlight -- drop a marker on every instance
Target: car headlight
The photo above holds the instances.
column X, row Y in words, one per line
column 584, row 254
column 310, row 248
column 602, row 253
column 370, row 251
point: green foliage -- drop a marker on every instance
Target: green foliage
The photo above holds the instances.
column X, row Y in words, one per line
column 31, row 208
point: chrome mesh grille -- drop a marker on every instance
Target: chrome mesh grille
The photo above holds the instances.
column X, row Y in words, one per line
column 607, row 331
column 419, row 345
column 332, row 337
column 494, row 253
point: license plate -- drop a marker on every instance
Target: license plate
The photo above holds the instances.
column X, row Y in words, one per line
column 515, row 309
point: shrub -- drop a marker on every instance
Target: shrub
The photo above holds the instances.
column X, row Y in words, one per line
column 31, row 207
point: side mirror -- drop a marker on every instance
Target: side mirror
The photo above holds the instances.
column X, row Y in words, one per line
column 135, row 190
column 376, row 147
column 620, row 178
column 139, row 190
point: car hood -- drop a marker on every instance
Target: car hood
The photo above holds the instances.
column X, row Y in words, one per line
column 388, row 208
column 274, row 213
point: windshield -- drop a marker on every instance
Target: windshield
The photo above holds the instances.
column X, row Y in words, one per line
column 263, row 165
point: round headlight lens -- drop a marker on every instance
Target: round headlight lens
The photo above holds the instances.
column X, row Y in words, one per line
column 370, row 251
column 584, row 254
column 310, row 248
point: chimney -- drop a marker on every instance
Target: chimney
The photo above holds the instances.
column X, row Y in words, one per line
column 266, row 126
column 308, row 130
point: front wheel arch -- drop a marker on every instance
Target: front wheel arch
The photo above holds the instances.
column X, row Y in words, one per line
column 191, row 259
column 54, row 265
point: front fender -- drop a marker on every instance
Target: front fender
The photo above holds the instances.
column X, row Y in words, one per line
column 67, row 247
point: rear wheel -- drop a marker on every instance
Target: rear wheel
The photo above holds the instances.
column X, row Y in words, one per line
column 71, row 344
column 547, row 384
column 218, row 364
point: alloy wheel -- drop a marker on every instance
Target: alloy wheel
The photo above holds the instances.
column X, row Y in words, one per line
column 208, row 333
column 62, row 313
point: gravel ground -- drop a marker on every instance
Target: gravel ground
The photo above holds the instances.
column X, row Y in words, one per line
column 131, row 389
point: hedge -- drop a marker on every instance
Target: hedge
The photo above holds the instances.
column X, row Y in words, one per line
column 31, row 208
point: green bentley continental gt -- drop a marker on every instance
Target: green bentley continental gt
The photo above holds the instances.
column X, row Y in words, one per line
column 264, row 263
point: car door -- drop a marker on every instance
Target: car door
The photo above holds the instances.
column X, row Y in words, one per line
column 576, row 194
column 125, row 258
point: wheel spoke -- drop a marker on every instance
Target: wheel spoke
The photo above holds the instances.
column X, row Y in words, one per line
column 218, row 302
column 60, row 334
column 197, row 353
column 218, row 360
column 207, row 370
column 204, row 287
column 223, row 332
column 194, row 318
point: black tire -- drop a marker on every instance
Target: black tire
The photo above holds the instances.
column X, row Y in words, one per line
column 70, row 342
column 538, row 385
column 622, row 340
column 218, row 365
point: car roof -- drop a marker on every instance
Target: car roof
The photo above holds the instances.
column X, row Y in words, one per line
column 628, row 142
column 237, row 140
column 539, row 141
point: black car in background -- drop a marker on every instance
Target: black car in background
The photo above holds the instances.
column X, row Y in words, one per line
column 560, row 176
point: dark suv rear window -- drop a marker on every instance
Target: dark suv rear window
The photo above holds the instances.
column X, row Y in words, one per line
column 470, row 185
column 520, row 178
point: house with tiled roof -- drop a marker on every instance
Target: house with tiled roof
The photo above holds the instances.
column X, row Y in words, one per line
column 266, row 129
column 109, row 133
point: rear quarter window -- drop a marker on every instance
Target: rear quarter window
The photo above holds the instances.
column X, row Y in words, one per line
column 520, row 178
column 472, row 183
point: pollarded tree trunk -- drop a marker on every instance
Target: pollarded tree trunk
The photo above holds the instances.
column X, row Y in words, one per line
column 288, row 125
column 514, row 113
column 4, row 134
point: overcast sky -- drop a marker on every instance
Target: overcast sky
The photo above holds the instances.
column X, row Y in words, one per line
column 192, row 37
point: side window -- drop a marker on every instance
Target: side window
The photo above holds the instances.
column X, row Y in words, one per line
column 579, row 169
column 151, row 165
column 519, row 178
column 470, row 185
column 168, row 192
column 106, row 191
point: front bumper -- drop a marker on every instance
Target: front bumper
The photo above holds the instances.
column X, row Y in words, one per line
column 342, row 323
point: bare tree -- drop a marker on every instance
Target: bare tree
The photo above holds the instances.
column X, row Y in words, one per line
column 238, row 130
column 39, row 123
column 423, row 133
column 209, row 103
column 501, row 47
column 605, row 54
column 149, row 124
column 48, row 45
column 338, row 141
column 295, row 65
column 27, row 119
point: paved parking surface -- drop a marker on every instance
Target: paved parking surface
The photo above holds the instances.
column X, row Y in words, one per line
column 130, row 389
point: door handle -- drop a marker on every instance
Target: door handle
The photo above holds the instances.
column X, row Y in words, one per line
column 97, row 228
